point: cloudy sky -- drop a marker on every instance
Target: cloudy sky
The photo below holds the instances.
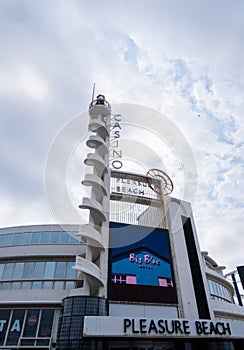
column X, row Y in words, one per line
column 183, row 59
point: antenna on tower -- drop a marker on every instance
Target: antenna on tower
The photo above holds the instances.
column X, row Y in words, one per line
column 93, row 91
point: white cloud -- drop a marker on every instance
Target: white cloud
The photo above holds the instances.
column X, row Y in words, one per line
column 24, row 80
column 183, row 59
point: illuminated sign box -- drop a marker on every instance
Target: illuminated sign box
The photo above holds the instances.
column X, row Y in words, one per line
column 133, row 185
column 140, row 264
column 159, row 327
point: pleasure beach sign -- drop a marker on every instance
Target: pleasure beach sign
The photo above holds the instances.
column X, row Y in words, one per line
column 159, row 327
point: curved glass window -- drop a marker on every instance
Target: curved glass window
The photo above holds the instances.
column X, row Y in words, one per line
column 17, row 237
column 39, row 269
column 70, row 273
column 28, row 269
column 55, row 237
column 36, row 285
column 35, row 238
column 1, row 269
column 38, row 275
column 7, row 272
column 64, row 237
column 219, row 291
column 60, row 270
column 45, row 237
column 18, row 270
column 26, row 238
column 42, row 237
column 8, row 239
column 49, row 270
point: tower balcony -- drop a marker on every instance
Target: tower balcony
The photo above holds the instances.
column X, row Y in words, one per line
column 99, row 106
column 99, row 126
column 91, row 270
column 98, row 143
column 93, row 159
column 90, row 236
column 96, row 210
column 97, row 185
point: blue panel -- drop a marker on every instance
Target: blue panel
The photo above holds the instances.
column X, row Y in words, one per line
column 140, row 264
column 147, row 268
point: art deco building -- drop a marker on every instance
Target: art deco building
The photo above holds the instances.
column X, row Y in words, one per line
column 133, row 277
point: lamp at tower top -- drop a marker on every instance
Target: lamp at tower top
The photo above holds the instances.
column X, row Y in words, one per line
column 100, row 100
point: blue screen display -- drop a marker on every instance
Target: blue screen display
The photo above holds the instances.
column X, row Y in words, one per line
column 140, row 264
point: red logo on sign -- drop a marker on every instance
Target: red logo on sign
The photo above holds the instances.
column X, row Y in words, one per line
column 32, row 320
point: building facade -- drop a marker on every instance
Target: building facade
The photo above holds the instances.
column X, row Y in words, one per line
column 134, row 277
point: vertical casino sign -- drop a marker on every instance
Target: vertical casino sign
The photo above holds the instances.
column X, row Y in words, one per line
column 115, row 134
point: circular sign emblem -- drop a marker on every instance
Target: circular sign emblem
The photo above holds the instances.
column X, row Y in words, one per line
column 167, row 184
column 32, row 320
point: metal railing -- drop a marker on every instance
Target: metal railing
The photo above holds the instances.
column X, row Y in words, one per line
column 98, row 102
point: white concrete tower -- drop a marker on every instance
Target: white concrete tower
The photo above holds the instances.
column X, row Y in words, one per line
column 94, row 265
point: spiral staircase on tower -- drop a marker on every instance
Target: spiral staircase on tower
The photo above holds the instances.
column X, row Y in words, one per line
column 93, row 265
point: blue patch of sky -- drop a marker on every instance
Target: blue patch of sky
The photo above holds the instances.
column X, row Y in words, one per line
column 211, row 195
column 193, row 101
column 219, row 176
column 208, row 83
column 237, row 159
column 239, row 144
column 225, row 130
column 234, row 202
column 131, row 52
column 180, row 69
column 14, row 11
column 179, row 72
column 209, row 190
column 225, row 156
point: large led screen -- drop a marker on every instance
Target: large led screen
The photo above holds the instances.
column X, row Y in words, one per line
column 140, row 264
